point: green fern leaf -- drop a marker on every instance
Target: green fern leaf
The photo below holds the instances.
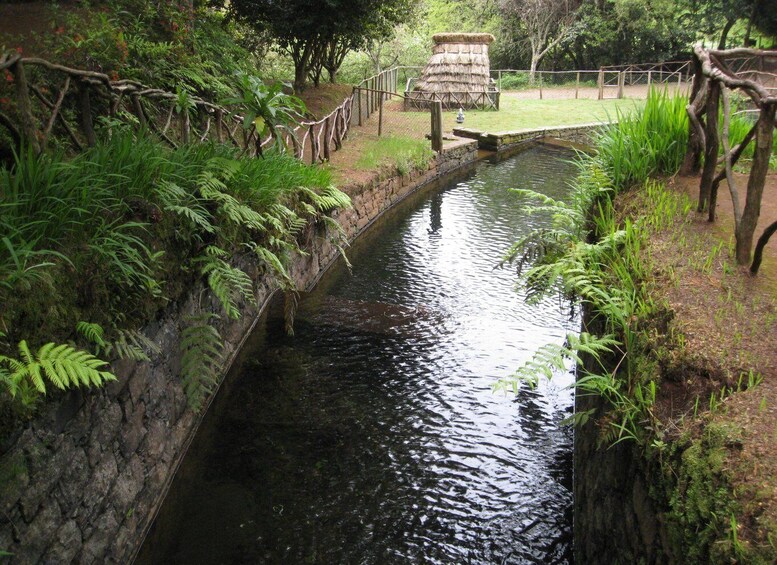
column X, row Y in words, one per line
column 201, row 350
column 227, row 283
column 92, row 332
column 63, row 365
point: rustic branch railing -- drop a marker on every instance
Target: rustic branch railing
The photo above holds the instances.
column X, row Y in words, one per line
column 40, row 100
column 714, row 78
column 370, row 93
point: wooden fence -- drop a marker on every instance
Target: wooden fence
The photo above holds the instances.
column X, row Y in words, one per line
column 609, row 81
column 40, row 100
column 370, row 94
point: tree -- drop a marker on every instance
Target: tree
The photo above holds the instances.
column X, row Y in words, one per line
column 317, row 33
column 547, row 23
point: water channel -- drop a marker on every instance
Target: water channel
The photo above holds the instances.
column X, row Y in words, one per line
column 373, row 434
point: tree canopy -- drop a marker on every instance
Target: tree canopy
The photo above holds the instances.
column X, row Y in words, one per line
column 318, row 33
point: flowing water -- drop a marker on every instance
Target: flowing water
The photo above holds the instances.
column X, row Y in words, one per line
column 373, row 435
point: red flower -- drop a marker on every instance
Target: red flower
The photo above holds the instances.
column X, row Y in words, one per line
column 8, row 77
column 19, row 50
column 114, row 75
column 4, row 101
column 60, row 30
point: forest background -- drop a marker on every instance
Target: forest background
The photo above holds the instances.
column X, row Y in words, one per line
column 198, row 45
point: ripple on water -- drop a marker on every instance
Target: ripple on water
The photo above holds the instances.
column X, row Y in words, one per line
column 373, row 436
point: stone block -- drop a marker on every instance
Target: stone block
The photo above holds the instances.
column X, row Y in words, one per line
column 133, row 431
column 67, row 545
column 14, row 478
column 95, row 547
column 139, row 381
column 45, row 477
column 103, row 476
column 127, row 486
column 73, row 482
column 35, row 539
column 107, row 424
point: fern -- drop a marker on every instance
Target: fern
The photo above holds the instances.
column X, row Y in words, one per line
column 62, row 365
column 553, row 357
column 92, row 333
column 178, row 201
column 274, row 262
column 129, row 344
column 227, row 282
column 133, row 345
column 201, row 349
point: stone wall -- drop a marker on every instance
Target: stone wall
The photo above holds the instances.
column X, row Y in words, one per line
column 615, row 517
column 510, row 140
column 83, row 481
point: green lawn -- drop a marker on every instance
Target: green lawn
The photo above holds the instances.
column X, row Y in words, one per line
column 520, row 114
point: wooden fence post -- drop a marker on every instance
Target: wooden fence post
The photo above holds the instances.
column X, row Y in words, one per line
column 25, row 106
column 600, row 84
column 650, row 78
column 577, row 84
column 621, row 81
column 380, row 116
column 540, row 73
column 358, row 92
column 85, row 106
column 437, row 126
column 326, row 139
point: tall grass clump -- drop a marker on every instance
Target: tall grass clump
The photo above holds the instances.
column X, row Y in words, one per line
column 649, row 143
column 93, row 246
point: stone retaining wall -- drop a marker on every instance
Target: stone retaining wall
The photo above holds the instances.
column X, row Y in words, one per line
column 506, row 141
column 83, row 481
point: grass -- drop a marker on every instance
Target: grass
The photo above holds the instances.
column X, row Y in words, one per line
column 517, row 113
column 404, row 153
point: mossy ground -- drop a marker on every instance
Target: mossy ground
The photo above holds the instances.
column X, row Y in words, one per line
column 718, row 399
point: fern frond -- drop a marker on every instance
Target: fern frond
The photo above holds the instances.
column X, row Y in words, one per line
column 133, row 345
column 552, row 357
column 227, row 283
column 201, row 349
column 93, row 333
column 63, row 365
column 274, row 262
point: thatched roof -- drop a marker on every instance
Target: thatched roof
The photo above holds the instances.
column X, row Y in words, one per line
column 459, row 63
column 463, row 38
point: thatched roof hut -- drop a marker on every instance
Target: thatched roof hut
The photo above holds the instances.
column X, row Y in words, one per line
column 458, row 71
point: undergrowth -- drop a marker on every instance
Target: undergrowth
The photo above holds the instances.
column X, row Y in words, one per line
column 95, row 245
column 598, row 257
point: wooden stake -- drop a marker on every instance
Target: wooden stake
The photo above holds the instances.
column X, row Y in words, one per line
column 24, row 106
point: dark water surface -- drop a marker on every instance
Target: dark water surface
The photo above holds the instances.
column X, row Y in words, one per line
column 373, row 435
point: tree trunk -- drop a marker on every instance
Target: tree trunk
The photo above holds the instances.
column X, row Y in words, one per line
column 711, row 145
column 759, row 248
column 764, row 139
column 724, row 34
column 535, row 59
column 692, row 161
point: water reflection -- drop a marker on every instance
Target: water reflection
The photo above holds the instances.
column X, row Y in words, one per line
column 373, row 436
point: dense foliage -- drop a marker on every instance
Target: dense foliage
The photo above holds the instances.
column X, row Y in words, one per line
column 167, row 45
column 95, row 245
column 582, row 34
column 318, row 35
